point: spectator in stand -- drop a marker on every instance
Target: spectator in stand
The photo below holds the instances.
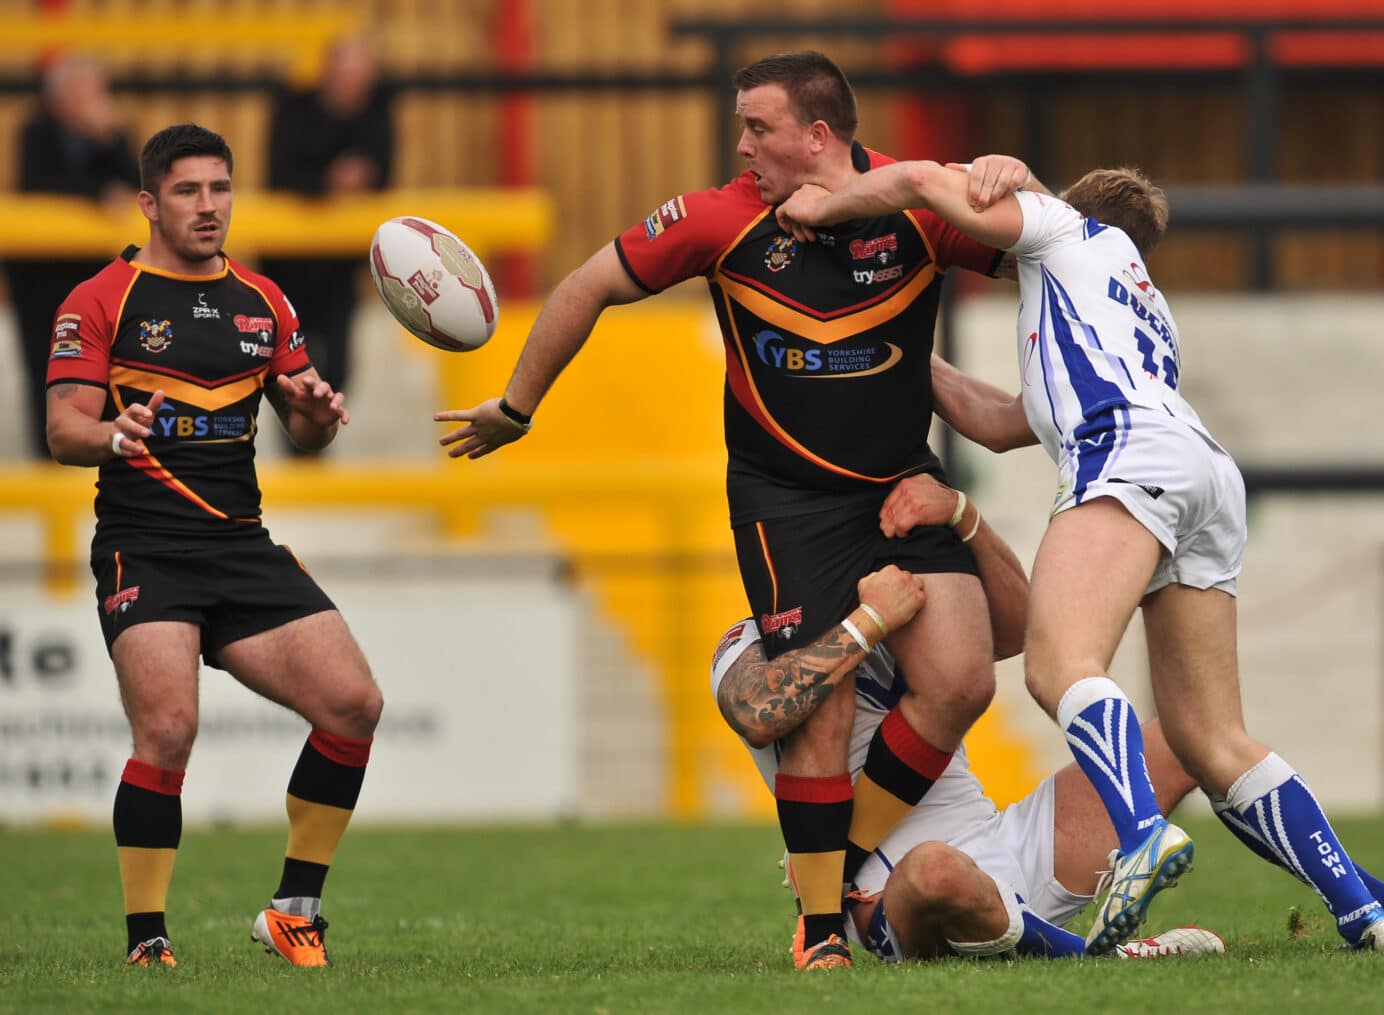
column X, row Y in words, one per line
column 334, row 141
column 73, row 145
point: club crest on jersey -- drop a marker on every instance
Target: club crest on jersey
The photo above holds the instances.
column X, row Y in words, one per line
column 254, row 325
column 202, row 312
column 664, row 216
column 155, row 336
column 65, row 341
column 881, row 249
column 781, row 625
column 781, row 252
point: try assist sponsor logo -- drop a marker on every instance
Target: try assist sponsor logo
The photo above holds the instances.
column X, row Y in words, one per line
column 808, row 359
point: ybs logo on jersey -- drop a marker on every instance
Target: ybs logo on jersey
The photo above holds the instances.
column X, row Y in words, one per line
column 814, row 360
column 170, row 422
column 780, row 253
column 155, row 336
column 202, row 312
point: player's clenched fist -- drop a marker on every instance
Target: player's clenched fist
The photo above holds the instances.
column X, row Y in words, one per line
column 894, row 593
column 917, row 500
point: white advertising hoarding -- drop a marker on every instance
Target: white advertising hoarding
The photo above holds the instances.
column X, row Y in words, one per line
column 480, row 718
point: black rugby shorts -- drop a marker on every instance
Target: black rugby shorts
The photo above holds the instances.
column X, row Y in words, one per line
column 231, row 589
column 800, row 573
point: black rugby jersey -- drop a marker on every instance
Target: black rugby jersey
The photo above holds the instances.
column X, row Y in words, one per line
column 210, row 343
column 828, row 344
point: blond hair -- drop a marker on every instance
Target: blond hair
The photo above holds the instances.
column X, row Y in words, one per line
column 1124, row 198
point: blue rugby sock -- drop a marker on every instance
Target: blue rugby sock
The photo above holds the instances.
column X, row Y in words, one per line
column 1104, row 736
column 1242, row 831
column 1043, row 940
column 1283, row 815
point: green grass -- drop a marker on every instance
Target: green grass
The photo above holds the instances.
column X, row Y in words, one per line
column 625, row 918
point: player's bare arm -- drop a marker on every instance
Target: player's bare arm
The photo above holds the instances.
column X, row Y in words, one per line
column 562, row 328
column 766, row 699
column 309, row 408
column 77, row 435
column 902, row 185
column 979, row 411
column 991, row 177
column 922, row 500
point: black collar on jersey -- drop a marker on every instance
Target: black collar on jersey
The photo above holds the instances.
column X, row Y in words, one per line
column 860, row 158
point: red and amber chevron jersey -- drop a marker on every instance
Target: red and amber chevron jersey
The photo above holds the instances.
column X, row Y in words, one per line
column 828, row 344
column 210, row 343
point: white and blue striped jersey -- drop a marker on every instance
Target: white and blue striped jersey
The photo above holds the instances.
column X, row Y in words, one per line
column 955, row 805
column 1093, row 331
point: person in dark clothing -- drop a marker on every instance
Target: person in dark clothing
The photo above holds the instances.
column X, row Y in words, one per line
column 73, row 145
column 334, row 141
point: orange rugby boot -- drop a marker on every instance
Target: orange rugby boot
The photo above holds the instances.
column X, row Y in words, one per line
column 296, row 939
column 157, row 951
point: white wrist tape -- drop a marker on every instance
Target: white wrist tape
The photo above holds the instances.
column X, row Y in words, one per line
column 117, row 439
column 856, row 636
column 960, row 509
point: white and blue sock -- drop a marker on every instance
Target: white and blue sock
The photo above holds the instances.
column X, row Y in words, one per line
column 1283, row 815
column 1242, row 831
column 1104, row 736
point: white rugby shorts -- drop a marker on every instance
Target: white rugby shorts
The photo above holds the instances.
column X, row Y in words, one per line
column 1174, row 479
column 1014, row 847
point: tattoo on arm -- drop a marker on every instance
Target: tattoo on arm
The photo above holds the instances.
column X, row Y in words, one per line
column 765, row 699
column 64, row 391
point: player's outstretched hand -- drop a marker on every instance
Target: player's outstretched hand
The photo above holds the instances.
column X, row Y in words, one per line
column 313, row 398
column 135, row 424
column 487, row 429
column 917, row 500
column 799, row 214
column 895, row 593
column 993, row 177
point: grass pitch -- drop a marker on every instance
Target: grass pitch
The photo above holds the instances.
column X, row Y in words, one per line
column 625, row 918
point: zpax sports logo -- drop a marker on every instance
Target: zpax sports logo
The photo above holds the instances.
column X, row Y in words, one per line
column 824, row 361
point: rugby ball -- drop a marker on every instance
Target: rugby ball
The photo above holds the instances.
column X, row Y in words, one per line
column 433, row 284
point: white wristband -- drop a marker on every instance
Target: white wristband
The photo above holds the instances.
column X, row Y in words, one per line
column 855, row 634
column 117, row 439
column 873, row 614
column 960, row 509
column 974, row 529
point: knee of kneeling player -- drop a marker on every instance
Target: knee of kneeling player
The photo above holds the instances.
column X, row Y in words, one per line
column 941, row 879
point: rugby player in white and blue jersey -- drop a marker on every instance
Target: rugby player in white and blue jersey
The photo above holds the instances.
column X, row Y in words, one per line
column 1150, row 511
column 955, row 876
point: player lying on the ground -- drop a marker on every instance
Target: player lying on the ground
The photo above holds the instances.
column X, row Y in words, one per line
column 956, row 876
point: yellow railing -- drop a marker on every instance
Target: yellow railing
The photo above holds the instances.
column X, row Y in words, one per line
column 298, row 40
column 270, row 223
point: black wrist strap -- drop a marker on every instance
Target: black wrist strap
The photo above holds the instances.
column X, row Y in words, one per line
column 515, row 416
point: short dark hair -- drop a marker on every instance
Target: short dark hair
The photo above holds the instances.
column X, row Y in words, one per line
column 174, row 143
column 817, row 89
column 1124, row 198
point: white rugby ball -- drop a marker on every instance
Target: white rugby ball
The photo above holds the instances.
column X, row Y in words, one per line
column 433, row 284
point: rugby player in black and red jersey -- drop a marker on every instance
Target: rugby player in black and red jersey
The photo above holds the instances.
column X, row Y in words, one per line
column 828, row 404
column 156, row 369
